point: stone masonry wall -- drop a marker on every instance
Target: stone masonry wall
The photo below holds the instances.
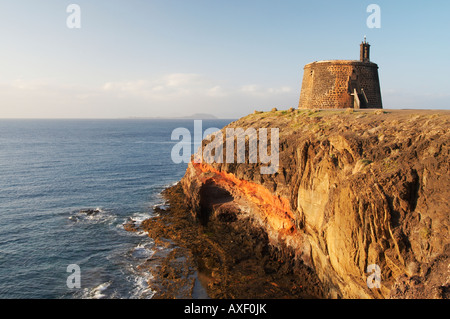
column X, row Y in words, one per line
column 329, row 84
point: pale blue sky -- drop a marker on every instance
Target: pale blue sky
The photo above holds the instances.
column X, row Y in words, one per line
column 228, row 58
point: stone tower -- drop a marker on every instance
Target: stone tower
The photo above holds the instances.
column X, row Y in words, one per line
column 335, row 84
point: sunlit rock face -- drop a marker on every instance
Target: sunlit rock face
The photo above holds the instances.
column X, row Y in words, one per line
column 353, row 189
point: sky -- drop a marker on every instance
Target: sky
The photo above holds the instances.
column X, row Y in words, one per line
column 169, row 58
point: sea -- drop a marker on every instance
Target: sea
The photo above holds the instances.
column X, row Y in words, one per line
column 52, row 172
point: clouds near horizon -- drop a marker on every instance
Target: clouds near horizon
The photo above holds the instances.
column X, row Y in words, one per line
column 176, row 94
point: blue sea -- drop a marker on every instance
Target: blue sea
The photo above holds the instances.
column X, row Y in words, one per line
column 51, row 170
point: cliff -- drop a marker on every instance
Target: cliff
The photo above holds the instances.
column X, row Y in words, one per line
column 353, row 189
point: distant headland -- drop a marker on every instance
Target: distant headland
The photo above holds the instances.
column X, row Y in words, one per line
column 196, row 116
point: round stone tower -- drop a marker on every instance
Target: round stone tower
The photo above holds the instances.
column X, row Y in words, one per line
column 336, row 84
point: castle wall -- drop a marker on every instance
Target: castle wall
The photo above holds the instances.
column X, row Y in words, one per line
column 329, row 84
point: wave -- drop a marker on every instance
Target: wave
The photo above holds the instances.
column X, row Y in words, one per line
column 171, row 184
column 92, row 215
column 136, row 220
column 162, row 206
column 140, row 276
column 143, row 250
column 141, row 288
column 98, row 292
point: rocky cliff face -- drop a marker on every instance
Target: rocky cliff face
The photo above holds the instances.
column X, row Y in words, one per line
column 353, row 189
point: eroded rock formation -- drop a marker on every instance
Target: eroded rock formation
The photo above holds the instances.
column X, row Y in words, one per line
column 353, row 188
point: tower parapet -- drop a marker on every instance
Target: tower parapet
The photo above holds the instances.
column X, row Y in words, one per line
column 365, row 51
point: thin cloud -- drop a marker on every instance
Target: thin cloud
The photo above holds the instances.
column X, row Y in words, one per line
column 171, row 94
column 183, row 85
column 167, row 87
column 255, row 89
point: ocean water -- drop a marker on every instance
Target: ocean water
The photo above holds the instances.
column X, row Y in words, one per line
column 50, row 170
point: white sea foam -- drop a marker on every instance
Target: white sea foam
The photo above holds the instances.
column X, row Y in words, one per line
column 141, row 288
column 163, row 206
column 139, row 217
column 96, row 292
column 98, row 215
column 143, row 250
column 171, row 184
column 136, row 219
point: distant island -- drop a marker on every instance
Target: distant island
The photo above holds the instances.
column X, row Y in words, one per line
column 196, row 116
column 200, row 116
